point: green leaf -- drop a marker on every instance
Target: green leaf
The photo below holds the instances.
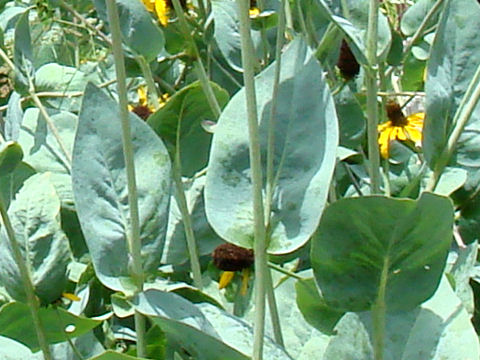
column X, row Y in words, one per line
column 181, row 118
column 176, row 251
column 11, row 155
column 23, row 53
column 305, row 115
column 462, row 270
column 71, row 81
column 86, row 345
column 354, row 25
column 12, row 350
column 42, row 151
column 414, row 16
column 100, row 188
column 140, row 33
column 302, row 340
column 35, row 217
column 227, row 33
column 408, row 239
column 13, row 120
column 453, row 61
column 205, row 331
column 16, row 323
column 351, row 119
column 438, row 330
column 313, row 307
column 9, row 185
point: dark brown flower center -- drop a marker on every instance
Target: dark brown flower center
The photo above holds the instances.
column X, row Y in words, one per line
column 395, row 114
column 229, row 257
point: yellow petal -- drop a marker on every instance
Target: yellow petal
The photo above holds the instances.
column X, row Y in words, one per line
column 401, row 135
column 162, row 10
column 414, row 133
column 245, row 278
column 253, row 12
column 71, row 297
column 416, row 119
column 142, row 95
column 384, row 142
column 384, row 126
column 149, row 4
column 225, row 279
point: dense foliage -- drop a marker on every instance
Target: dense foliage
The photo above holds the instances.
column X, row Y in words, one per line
column 233, row 179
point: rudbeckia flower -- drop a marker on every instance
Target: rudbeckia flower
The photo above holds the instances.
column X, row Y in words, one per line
column 232, row 258
column 161, row 7
column 142, row 109
column 399, row 127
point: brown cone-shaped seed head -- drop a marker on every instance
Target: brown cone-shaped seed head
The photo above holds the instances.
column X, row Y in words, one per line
column 347, row 63
column 229, row 257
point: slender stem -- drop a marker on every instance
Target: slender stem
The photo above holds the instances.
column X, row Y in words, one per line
column 284, row 271
column 152, row 94
column 85, row 22
column 379, row 313
column 263, row 35
column 270, row 186
column 248, row 58
column 133, row 238
column 372, row 106
column 50, row 124
column 7, row 60
column 32, row 300
column 187, row 220
column 199, row 68
column 272, row 305
column 460, row 119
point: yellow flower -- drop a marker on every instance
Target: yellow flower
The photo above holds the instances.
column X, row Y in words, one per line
column 253, row 12
column 399, row 127
column 227, row 277
column 161, row 8
column 143, row 109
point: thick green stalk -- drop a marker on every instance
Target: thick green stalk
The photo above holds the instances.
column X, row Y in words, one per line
column 270, row 175
column 133, row 236
column 248, row 58
column 199, row 67
column 372, row 106
column 32, row 300
column 379, row 313
column 460, row 119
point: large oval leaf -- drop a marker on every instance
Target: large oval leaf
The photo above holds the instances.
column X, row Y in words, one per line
column 440, row 329
column 181, row 119
column 358, row 238
column 100, row 188
column 204, row 330
column 454, row 58
column 306, row 136
column 35, row 217
column 42, row 150
column 140, row 33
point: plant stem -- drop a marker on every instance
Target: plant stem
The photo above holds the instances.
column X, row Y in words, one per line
column 187, row 220
column 51, row 125
column 248, row 58
column 379, row 313
column 270, row 186
column 460, row 119
column 133, row 237
column 284, row 271
column 32, row 300
column 199, row 68
column 152, row 94
column 372, row 106
column 272, row 305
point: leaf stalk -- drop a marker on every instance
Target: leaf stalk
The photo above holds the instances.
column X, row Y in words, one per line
column 133, row 236
column 248, row 58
